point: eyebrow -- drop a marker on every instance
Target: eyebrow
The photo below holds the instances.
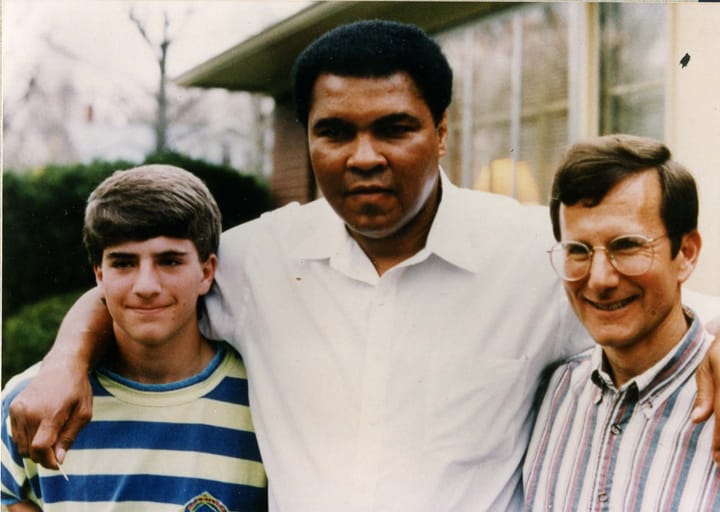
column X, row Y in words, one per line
column 398, row 117
column 121, row 254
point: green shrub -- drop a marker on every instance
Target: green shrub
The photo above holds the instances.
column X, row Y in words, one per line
column 240, row 197
column 28, row 335
column 43, row 213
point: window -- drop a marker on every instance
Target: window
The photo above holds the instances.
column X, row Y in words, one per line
column 508, row 119
column 511, row 108
column 634, row 49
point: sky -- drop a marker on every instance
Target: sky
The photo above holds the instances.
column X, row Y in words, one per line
column 100, row 38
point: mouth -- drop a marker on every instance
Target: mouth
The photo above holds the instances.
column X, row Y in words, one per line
column 146, row 309
column 611, row 306
column 364, row 190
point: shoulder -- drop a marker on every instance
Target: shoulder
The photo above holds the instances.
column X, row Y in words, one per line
column 17, row 383
column 572, row 371
column 283, row 225
column 497, row 214
column 707, row 307
column 232, row 364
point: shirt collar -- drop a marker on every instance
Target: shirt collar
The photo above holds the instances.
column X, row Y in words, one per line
column 448, row 238
column 658, row 382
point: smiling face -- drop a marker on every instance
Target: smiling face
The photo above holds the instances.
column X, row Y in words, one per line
column 151, row 289
column 637, row 317
column 375, row 151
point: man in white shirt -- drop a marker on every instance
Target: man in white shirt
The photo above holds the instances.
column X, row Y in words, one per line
column 393, row 331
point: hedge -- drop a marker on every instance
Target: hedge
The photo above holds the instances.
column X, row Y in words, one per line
column 27, row 336
column 43, row 212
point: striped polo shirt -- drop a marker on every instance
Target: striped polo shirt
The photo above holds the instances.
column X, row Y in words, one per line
column 596, row 447
column 184, row 446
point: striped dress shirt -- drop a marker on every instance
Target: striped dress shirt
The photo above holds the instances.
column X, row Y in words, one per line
column 597, row 447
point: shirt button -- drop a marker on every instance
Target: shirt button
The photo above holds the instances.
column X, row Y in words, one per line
column 603, row 496
column 615, row 429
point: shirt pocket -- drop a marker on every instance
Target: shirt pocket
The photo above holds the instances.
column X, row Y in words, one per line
column 475, row 408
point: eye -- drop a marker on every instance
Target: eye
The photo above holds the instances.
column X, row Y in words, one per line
column 334, row 131
column 121, row 263
column 170, row 261
column 627, row 244
column 394, row 130
column 576, row 250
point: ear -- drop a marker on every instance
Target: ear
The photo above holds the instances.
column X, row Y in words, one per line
column 688, row 254
column 442, row 134
column 209, row 266
column 97, row 269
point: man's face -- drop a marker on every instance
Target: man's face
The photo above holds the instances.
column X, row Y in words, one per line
column 622, row 313
column 151, row 288
column 375, row 151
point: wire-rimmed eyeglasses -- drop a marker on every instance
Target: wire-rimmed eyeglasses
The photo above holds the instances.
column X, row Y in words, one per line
column 631, row 255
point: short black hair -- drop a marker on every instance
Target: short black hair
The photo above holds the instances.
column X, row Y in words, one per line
column 591, row 168
column 375, row 48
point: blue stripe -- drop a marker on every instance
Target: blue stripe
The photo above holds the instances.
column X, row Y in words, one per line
column 168, row 436
column 686, row 463
column 586, row 433
column 666, row 411
column 151, row 488
column 232, row 389
column 97, row 388
column 9, row 481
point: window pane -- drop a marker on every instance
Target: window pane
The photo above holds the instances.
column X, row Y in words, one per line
column 632, row 68
column 482, row 153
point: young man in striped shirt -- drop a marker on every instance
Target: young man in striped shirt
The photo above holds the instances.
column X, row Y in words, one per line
column 614, row 429
column 171, row 427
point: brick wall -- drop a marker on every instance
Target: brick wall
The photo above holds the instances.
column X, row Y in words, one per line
column 292, row 178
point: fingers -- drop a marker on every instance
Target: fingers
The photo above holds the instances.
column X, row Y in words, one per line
column 716, row 432
column 703, row 407
column 42, row 445
column 19, row 426
column 80, row 417
column 707, row 402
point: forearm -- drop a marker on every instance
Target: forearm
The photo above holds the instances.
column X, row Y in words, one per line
column 84, row 335
column 48, row 414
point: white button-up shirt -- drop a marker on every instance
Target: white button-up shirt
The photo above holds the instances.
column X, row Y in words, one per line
column 406, row 392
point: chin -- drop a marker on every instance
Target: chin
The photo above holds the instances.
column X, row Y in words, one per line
column 374, row 231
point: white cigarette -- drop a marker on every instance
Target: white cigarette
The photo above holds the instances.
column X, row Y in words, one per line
column 62, row 472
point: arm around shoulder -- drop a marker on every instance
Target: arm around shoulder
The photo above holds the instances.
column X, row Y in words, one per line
column 48, row 414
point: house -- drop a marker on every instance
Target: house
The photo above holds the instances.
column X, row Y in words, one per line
column 530, row 78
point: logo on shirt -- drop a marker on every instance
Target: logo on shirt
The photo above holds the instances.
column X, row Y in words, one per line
column 205, row 502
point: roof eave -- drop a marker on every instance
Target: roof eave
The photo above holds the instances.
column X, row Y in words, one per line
column 263, row 62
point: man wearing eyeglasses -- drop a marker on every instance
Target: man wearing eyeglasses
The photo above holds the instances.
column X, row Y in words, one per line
column 614, row 429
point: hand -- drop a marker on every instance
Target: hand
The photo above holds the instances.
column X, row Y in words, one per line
column 48, row 414
column 24, row 506
column 707, row 377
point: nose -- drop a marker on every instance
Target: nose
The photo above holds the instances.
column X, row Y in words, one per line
column 365, row 156
column 147, row 281
column 602, row 273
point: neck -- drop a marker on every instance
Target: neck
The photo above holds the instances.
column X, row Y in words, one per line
column 167, row 362
column 626, row 363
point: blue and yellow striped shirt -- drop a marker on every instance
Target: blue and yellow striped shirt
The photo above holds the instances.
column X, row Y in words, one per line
column 183, row 446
